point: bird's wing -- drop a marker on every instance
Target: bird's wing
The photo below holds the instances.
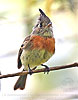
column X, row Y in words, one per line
column 25, row 42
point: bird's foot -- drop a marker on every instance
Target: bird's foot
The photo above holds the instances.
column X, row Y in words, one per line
column 47, row 69
column 30, row 70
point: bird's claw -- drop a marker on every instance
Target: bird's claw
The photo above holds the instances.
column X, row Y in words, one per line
column 47, row 69
column 30, row 70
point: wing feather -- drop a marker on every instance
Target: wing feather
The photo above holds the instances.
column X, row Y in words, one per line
column 26, row 40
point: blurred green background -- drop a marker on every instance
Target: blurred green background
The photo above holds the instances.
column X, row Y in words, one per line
column 17, row 18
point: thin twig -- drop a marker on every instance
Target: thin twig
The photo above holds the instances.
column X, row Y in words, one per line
column 40, row 70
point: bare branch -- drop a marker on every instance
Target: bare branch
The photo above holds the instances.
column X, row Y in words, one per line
column 40, row 70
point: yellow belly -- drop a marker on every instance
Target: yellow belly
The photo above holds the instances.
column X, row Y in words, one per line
column 34, row 57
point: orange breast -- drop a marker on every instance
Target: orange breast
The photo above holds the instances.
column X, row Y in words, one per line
column 43, row 43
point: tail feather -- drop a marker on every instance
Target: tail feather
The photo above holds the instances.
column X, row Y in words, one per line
column 20, row 84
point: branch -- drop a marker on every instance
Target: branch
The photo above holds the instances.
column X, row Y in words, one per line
column 40, row 70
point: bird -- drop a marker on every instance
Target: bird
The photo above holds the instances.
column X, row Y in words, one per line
column 36, row 49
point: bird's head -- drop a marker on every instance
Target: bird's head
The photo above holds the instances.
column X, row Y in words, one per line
column 43, row 26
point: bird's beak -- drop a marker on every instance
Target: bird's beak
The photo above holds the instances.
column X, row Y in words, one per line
column 50, row 24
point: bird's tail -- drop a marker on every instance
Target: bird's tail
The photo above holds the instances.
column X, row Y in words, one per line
column 20, row 84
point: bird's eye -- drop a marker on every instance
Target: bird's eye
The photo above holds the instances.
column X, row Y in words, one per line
column 40, row 24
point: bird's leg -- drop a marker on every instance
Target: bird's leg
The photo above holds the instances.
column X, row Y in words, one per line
column 30, row 70
column 47, row 68
column 34, row 68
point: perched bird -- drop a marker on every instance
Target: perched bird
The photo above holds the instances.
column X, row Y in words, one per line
column 37, row 48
